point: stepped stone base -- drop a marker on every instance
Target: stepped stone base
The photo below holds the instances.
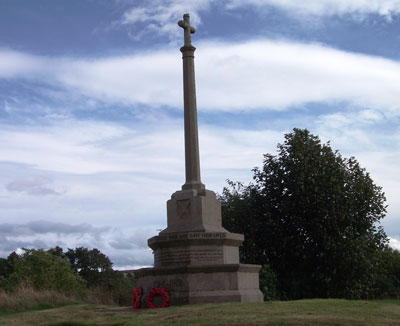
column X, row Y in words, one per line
column 195, row 258
column 195, row 248
column 208, row 283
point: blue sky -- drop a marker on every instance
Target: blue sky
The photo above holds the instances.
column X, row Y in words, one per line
column 91, row 112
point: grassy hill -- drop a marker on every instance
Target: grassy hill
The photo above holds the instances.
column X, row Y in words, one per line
column 299, row 313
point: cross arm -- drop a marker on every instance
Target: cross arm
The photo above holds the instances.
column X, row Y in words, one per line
column 185, row 24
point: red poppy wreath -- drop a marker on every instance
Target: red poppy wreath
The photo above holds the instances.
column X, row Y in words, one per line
column 161, row 292
column 136, row 297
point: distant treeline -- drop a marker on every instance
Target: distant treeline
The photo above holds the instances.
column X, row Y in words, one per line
column 77, row 272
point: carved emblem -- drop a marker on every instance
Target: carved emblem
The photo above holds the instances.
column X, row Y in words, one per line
column 183, row 208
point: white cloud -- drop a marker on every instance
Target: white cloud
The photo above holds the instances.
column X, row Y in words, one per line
column 45, row 227
column 141, row 79
column 257, row 75
column 394, row 243
column 327, row 7
column 16, row 64
column 146, row 148
column 161, row 16
column 34, row 185
column 127, row 248
column 72, row 147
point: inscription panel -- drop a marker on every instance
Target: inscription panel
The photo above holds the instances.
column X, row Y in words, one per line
column 186, row 256
column 168, row 283
column 191, row 235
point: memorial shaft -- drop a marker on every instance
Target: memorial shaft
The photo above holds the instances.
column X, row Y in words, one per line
column 195, row 258
column 192, row 159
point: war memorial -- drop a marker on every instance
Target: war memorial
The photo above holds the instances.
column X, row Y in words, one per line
column 195, row 258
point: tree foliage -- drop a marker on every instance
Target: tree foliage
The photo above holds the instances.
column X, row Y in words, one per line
column 68, row 272
column 96, row 269
column 7, row 265
column 92, row 265
column 42, row 271
column 387, row 283
column 312, row 216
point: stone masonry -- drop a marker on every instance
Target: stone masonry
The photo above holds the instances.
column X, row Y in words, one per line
column 195, row 258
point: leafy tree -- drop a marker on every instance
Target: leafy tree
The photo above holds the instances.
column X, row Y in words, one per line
column 96, row 269
column 313, row 217
column 41, row 270
column 57, row 252
column 387, row 283
column 7, row 265
column 92, row 265
column 58, row 270
column 268, row 284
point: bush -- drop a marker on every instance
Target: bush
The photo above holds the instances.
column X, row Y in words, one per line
column 40, row 270
column 268, row 283
column 80, row 274
column 387, row 284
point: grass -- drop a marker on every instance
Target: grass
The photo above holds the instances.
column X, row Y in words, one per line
column 25, row 298
column 300, row 313
column 28, row 299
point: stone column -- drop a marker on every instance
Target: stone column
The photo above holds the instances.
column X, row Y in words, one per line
column 195, row 258
column 192, row 160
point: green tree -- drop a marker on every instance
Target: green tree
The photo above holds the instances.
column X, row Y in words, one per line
column 313, row 217
column 7, row 265
column 268, row 282
column 41, row 270
column 387, row 284
column 92, row 265
column 6, row 269
column 57, row 252
column 96, row 269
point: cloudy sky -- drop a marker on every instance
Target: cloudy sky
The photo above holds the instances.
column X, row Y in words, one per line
column 91, row 113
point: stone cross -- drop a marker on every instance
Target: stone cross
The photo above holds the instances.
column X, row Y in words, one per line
column 192, row 161
column 185, row 24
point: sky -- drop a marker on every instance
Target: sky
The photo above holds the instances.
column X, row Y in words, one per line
column 91, row 107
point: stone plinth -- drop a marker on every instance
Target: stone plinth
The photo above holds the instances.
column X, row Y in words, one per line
column 194, row 210
column 195, row 248
column 201, row 264
column 206, row 283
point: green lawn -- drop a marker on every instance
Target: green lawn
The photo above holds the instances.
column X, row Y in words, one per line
column 299, row 313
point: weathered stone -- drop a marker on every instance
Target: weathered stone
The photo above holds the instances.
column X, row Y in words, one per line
column 195, row 248
column 189, row 211
column 195, row 258
column 207, row 283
